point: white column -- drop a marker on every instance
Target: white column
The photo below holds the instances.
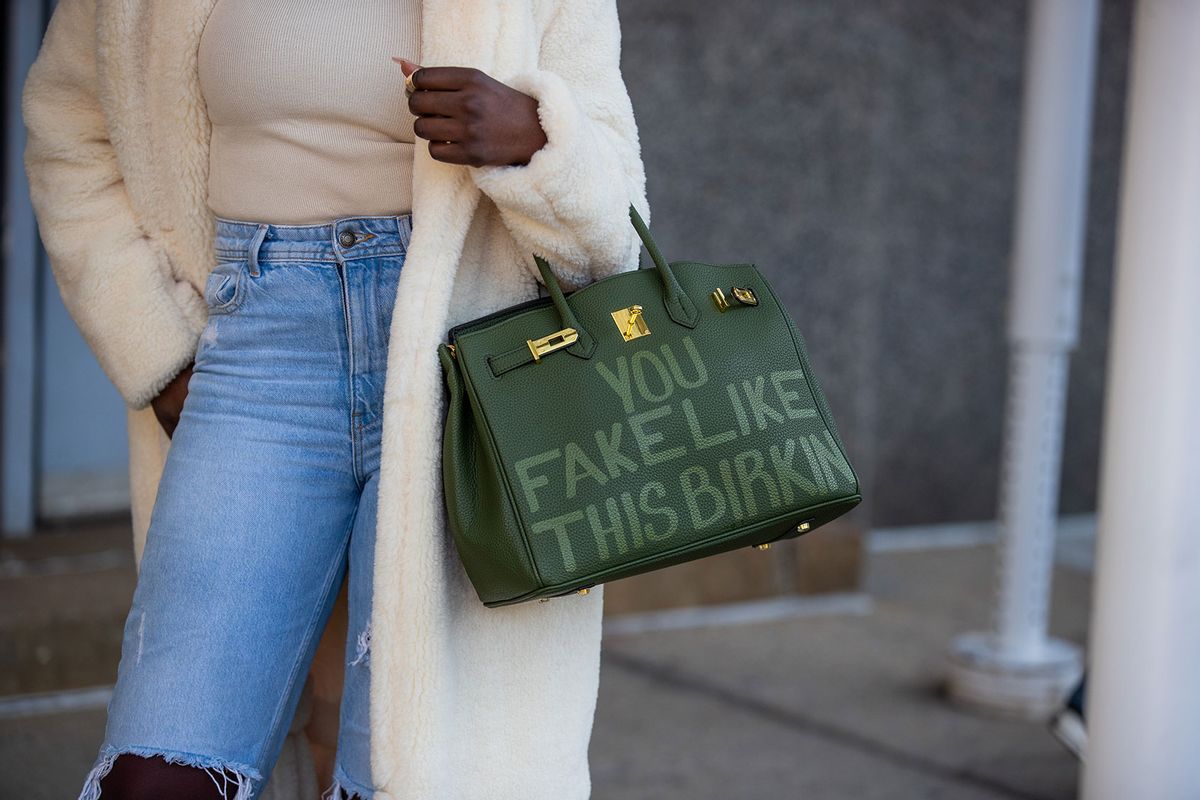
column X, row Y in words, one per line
column 1015, row 668
column 1143, row 704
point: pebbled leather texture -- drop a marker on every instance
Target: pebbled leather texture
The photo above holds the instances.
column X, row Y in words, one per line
column 619, row 457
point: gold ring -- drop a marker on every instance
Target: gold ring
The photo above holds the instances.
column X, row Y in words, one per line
column 409, row 86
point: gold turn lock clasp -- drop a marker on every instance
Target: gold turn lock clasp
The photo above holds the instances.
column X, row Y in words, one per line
column 551, row 342
column 743, row 295
column 631, row 322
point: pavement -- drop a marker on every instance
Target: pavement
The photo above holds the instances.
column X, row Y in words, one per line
column 818, row 705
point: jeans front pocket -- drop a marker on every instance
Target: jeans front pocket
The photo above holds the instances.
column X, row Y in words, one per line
column 224, row 288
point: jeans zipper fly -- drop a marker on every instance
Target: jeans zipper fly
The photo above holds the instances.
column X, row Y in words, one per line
column 355, row 429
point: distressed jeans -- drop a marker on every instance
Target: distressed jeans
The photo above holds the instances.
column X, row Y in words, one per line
column 267, row 503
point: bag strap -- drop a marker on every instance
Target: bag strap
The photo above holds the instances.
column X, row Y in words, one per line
column 679, row 306
column 585, row 344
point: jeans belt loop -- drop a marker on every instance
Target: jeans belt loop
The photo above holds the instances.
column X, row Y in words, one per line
column 255, row 244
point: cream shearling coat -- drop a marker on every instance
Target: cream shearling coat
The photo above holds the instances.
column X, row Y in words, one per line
column 467, row 703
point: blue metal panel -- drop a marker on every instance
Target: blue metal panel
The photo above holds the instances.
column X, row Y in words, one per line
column 25, row 22
column 64, row 442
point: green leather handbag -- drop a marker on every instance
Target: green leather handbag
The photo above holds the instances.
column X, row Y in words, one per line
column 650, row 418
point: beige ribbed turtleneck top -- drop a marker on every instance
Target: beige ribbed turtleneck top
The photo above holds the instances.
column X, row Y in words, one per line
column 309, row 117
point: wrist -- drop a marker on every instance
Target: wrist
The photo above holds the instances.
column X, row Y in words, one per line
column 532, row 140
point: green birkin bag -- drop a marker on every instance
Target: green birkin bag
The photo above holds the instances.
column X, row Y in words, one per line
column 653, row 417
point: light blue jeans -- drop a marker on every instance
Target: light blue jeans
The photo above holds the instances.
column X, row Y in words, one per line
column 268, row 496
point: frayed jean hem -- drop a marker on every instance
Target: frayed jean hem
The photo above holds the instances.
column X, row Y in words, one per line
column 345, row 789
column 234, row 781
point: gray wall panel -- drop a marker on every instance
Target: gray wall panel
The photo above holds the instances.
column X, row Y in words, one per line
column 864, row 154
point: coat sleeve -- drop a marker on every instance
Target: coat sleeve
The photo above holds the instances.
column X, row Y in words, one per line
column 115, row 281
column 570, row 203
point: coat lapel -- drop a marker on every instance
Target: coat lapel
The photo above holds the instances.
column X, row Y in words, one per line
column 409, row 606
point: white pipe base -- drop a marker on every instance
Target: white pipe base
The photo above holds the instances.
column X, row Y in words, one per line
column 983, row 678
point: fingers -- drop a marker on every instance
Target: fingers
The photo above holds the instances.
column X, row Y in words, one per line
column 438, row 79
column 444, row 79
column 407, row 68
column 451, row 153
column 439, row 129
column 436, row 104
column 443, row 108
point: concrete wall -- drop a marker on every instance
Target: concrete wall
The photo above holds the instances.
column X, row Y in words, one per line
column 863, row 154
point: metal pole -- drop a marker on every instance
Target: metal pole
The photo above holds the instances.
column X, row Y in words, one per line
column 1016, row 669
column 1143, row 709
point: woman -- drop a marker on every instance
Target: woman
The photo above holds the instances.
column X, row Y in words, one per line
column 528, row 146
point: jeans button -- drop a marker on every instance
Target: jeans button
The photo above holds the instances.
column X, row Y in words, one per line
column 347, row 238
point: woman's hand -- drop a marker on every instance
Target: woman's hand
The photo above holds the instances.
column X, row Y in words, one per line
column 169, row 402
column 471, row 118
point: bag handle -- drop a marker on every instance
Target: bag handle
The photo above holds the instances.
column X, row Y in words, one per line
column 585, row 344
column 679, row 306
